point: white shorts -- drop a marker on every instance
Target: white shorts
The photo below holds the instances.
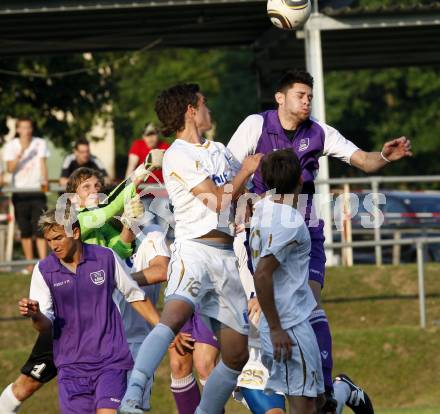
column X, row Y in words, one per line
column 301, row 376
column 134, row 349
column 208, row 276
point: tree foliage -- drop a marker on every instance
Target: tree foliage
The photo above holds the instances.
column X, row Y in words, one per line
column 63, row 107
column 373, row 106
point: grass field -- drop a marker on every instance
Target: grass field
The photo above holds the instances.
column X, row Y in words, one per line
column 374, row 318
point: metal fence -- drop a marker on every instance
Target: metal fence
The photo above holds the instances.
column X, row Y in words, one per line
column 419, row 242
column 374, row 182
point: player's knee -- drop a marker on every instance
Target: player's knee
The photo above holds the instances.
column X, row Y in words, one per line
column 24, row 387
column 238, row 359
column 180, row 367
column 204, row 367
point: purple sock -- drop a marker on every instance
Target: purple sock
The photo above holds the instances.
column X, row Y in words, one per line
column 319, row 322
column 186, row 394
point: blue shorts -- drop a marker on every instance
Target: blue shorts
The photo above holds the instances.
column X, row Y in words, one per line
column 261, row 403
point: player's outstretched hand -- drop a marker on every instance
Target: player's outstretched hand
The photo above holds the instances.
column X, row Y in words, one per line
column 397, row 149
column 282, row 345
column 184, row 343
column 250, row 164
column 28, row 307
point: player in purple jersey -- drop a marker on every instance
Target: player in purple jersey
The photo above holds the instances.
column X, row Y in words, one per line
column 71, row 295
column 291, row 126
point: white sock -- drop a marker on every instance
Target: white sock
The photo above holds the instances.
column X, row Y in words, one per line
column 8, row 401
column 342, row 394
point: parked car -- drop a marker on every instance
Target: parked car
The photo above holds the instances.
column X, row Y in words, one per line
column 404, row 214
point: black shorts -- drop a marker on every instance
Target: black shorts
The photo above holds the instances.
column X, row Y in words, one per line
column 28, row 209
column 40, row 366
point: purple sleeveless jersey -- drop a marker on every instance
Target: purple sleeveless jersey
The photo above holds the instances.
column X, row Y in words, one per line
column 88, row 334
column 308, row 145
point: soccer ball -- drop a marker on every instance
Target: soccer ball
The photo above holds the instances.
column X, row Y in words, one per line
column 288, row 14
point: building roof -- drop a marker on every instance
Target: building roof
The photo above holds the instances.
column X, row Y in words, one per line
column 358, row 37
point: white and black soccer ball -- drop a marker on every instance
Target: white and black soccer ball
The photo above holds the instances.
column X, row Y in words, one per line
column 288, row 14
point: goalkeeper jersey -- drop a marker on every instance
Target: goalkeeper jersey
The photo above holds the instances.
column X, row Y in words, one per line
column 95, row 223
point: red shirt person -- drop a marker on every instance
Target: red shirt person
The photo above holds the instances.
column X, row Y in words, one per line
column 141, row 148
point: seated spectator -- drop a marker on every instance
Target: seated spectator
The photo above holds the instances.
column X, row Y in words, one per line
column 81, row 157
column 141, row 148
column 26, row 158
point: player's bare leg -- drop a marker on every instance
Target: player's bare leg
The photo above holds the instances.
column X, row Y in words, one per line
column 184, row 386
column 25, row 386
column 205, row 358
column 302, row 405
column 16, row 393
column 105, row 411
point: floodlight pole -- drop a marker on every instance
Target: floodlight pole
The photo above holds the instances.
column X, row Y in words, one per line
column 313, row 52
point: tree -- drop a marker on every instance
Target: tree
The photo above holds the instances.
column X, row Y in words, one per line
column 63, row 94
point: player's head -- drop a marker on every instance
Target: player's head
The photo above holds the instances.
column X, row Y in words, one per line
column 81, row 149
column 54, row 230
column 294, row 94
column 150, row 134
column 86, row 183
column 183, row 106
column 24, row 127
column 281, row 171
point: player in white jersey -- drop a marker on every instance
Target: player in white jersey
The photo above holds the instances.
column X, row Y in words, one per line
column 148, row 266
column 280, row 248
column 203, row 182
column 254, row 376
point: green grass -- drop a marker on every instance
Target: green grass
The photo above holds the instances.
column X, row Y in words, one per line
column 374, row 319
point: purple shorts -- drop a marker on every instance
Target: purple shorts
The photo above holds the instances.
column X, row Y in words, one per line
column 317, row 254
column 199, row 331
column 80, row 395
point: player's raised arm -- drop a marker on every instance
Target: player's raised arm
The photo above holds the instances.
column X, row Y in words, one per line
column 282, row 344
column 394, row 150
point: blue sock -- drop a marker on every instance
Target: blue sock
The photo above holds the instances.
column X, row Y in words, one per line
column 150, row 354
column 221, row 382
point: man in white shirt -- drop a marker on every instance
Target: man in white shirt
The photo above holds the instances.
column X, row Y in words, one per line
column 202, row 181
column 280, row 248
column 26, row 158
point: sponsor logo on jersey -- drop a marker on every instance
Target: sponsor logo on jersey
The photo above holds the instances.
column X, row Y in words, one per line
column 98, row 278
column 219, row 179
column 303, row 144
column 64, row 282
column 324, row 354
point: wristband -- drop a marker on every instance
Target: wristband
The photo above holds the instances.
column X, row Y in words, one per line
column 384, row 158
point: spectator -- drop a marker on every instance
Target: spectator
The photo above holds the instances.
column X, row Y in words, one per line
column 26, row 158
column 140, row 149
column 81, row 157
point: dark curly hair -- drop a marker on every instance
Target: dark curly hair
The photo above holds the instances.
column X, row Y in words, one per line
column 294, row 76
column 172, row 104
